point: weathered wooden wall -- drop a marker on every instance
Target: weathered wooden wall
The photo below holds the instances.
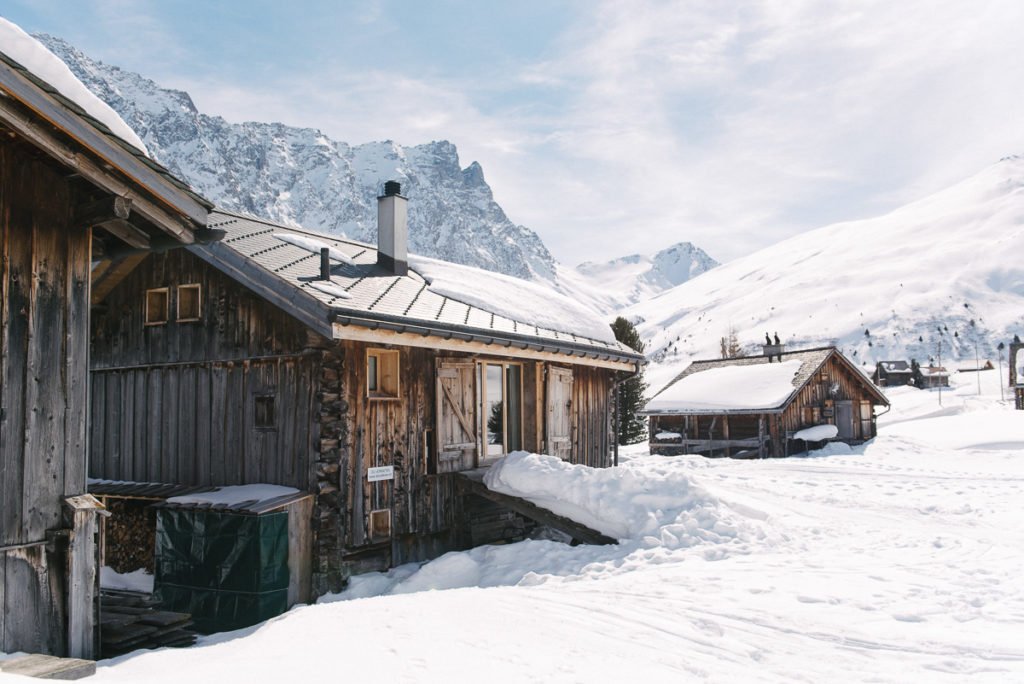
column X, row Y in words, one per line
column 816, row 402
column 425, row 507
column 175, row 402
column 44, row 313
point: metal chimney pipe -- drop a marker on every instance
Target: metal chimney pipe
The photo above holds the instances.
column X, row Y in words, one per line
column 325, row 263
column 393, row 230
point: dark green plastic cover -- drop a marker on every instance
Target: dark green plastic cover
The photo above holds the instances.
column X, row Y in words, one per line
column 228, row 569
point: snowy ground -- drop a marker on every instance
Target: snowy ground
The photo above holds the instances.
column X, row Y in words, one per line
column 897, row 561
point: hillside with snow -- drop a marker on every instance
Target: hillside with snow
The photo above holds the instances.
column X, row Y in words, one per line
column 926, row 281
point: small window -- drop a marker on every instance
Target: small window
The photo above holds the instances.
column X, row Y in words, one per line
column 156, row 306
column 382, row 374
column 380, row 525
column 189, row 303
column 263, row 418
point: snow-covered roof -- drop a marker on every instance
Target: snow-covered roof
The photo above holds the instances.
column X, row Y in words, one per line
column 766, row 385
column 35, row 58
column 746, row 384
column 45, row 104
column 436, row 296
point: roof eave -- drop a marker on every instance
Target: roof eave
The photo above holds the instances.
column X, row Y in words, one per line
column 173, row 209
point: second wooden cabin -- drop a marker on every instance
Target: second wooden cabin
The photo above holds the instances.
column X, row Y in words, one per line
column 751, row 407
column 287, row 357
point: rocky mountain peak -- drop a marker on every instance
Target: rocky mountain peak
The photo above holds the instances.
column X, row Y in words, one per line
column 304, row 177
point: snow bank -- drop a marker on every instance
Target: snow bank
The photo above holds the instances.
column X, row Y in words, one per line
column 654, row 509
column 620, row 502
column 817, row 433
column 30, row 53
column 512, row 298
column 237, row 494
column 764, row 385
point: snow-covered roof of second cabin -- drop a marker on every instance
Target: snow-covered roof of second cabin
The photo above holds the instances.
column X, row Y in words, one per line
column 747, row 384
column 282, row 263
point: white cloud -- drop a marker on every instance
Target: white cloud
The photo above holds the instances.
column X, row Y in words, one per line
column 731, row 124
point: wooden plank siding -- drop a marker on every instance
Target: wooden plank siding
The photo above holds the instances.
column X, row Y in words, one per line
column 44, row 308
column 176, row 403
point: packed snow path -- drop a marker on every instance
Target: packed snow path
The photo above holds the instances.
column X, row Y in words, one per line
column 898, row 561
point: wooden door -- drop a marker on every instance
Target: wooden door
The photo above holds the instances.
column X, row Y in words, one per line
column 844, row 419
column 457, row 443
column 559, row 423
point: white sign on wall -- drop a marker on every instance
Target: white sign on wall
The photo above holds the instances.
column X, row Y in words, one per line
column 380, row 473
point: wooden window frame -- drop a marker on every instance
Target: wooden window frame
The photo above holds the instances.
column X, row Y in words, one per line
column 379, row 525
column 198, row 288
column 147, row 314
column 384, row 360
column 263, row 397
column 481, row 397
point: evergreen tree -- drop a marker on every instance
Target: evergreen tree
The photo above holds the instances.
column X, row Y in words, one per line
column 631, row 428
column 916, row 376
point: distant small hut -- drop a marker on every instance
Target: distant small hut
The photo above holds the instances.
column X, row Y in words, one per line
column 934, row 376
column 755, row 406
column 893, row 374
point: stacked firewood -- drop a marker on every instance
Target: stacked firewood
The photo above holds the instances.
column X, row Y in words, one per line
column 129, row 535
column 130, row 621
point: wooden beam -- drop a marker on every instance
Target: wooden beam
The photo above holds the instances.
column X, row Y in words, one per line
column 102, row 210
column 46, row 106
column 126, row 232
column 379, row 336
column 91, row 171
column 109, row 273
column 472, row 483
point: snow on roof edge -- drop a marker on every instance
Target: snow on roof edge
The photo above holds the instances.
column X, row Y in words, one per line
column 34, row 57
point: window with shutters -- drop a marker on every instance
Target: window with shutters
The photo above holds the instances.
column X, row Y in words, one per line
column 457, row 429
column 500, row 398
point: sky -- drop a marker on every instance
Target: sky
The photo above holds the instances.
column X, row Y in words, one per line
column 611, row 127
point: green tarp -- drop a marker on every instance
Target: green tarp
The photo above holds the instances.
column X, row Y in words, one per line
column 228, row 569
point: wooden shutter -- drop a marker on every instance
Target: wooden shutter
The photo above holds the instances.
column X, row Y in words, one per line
column 559, row 423
column 457, row 442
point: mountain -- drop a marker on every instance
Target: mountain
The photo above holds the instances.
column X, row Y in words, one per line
column 300, row 176
column 946, row 270
column 613, row 285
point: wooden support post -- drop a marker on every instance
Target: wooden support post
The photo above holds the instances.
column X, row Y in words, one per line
column 83, row 575
column 760, row 436
column 725, row 433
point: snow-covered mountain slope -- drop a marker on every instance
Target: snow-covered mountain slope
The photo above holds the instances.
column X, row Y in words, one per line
column 891, row 287
column 300, row 176
column 614, row 285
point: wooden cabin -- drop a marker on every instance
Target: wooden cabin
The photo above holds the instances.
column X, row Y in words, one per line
column 934, row 376
column 893, row 374
column 751, row 407
column 70, row 190
column 287, row 357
